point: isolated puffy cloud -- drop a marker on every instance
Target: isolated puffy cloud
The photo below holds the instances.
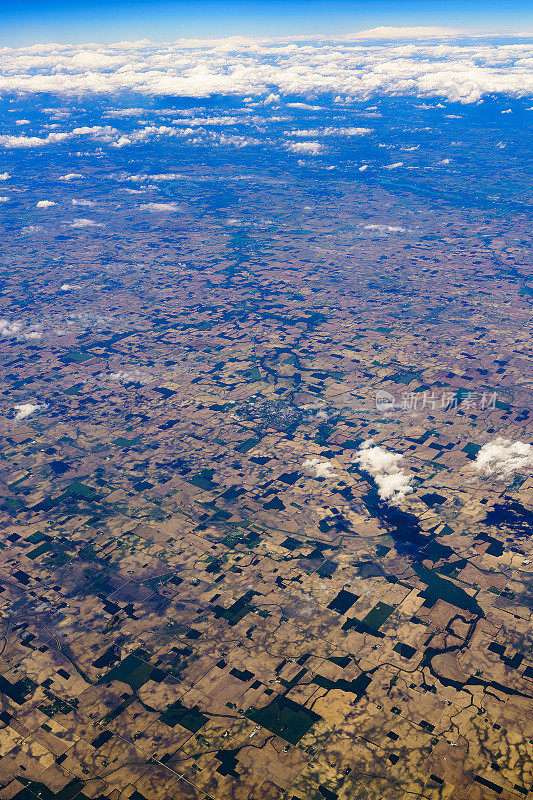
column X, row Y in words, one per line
column 159, row 207
column 8, row 328
column 392, row 482
column 424, row 62
column 25, row 409
column 45, row 204
column 82, row 203
column 304, row 106
column 98, row 132
column 70, row 176
column 162, row 176
column 13, row 142
column 330, row 132
column 320, row 469
column 82, row 222
column 4, row 198
column 501, row 457
column 4, row 176
column 129, row 376
column 384, row 228
column 305, row 148
column 19, row 329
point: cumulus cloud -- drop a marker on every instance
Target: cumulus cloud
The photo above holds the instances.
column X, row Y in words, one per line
column 384, row 228
column 68, row 287
column 82, row 203
column 304, row 106
column 9, row 142
column 10, row 328
column 395, row 165
column 25, row 409
column 45, row 204
column 98, row 132
column 129, row 376
column 31, row 229
column 82, row 222
column 4, row 176
column 159, row 207
column 392, row 482
column 426, row 62
column 501, row 457
column 306, row 148
column 4, row 198
column 330, row 131
column 162, row 176
column 18, row 329
column 318, row 468
column 70, row 176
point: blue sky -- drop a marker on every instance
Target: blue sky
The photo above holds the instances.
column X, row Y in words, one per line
column 31, row 21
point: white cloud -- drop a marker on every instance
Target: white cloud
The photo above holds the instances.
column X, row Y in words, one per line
column 18, row 329
column 416, row 32
column 10, row 328
column 68, row 287
column 385, row 228
column 330, row 132
column 320, row 469
column 31, row 229
column 4, row 198
column 159, row 207
column 13, row 142
column 164, row 176
column 418, row 61
column 82, row 203
column 395, row 165
column 306, row 148
column 501, row 457
column 125, row 112
column 128, row 376
column 4, row 176
column 82, row 222
column 304, row 106
column 25, row 409
column 45, row 204
column 70, row 176
column 98, row 132
column 392, row 482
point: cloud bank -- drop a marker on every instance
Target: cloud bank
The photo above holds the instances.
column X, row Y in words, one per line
column 392, row 482
column 423, row 62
